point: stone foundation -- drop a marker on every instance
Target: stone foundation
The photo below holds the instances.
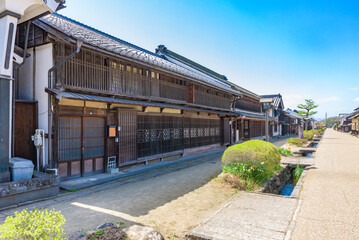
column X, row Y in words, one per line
column 276, row 184
column 42, row 185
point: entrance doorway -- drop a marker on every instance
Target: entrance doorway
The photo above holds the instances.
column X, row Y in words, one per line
column 81, row 146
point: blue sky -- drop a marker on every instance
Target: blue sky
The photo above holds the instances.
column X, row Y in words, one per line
column 301, row 49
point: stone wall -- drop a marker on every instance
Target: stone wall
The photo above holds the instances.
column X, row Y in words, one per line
column 42, row 185
column 279, row 180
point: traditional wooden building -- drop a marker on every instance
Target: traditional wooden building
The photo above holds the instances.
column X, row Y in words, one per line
column 275, row 112
column 107, row 103
column 354, row 118
column 355, row 124
column 290, row 122
column 344, row 122
column 249, row 122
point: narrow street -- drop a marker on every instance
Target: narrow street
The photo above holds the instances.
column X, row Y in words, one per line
column 173, row 203
column 330, row 196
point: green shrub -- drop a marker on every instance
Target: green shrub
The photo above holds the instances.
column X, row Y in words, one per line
column 315, row 131
column 297, row 173
column 284, row 152
column 321, row 130
column 254, row 161
column 308, row 135
column 255, row 151
column 296, row 141
column 33, row 225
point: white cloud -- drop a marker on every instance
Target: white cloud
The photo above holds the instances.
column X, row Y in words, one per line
column 292, row 100
column 353, row 89
column 356, row 100
column 329, row 99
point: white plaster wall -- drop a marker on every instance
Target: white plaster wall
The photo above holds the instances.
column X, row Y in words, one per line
column 44, row 61
column 25, row 84
column 10, row 119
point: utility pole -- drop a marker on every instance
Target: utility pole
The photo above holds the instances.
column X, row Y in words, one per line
column 267, row 137
column 267, row 104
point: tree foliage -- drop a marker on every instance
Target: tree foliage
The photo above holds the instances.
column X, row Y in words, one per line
column 307, row 108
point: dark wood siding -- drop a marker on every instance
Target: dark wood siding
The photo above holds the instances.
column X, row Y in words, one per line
column 69, row 146
column 93, row 145
column 80, row 145
column 25, row 126
column 90, row 71
column 256, row 129
column 225, row 130
column 249, row 104
column 112, row 148
column 163, row 134
column 127, row 121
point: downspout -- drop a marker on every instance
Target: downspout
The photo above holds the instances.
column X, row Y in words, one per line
column 57, row 65
column 16, row 68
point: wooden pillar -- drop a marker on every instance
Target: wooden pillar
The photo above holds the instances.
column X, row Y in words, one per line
column 242, row 129
column 55, row 160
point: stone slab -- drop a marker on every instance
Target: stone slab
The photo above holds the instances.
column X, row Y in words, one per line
column 249, row 216
column 308, row 150
column 305, row 161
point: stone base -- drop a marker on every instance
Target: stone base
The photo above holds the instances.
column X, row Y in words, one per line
column 28, row 196
column 112, row 170
column 4, row 177
column 42, row 185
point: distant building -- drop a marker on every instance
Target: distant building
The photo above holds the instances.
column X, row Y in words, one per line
column 344, row 123
column 275, row 112
column 354, row 118
column 290, row 122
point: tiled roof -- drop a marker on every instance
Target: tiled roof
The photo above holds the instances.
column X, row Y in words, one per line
column 162, row 49
column 277, row 100
column 291, row 113
column 250, row 114
column 71, row 95
column 191, row 65
column 115, row 45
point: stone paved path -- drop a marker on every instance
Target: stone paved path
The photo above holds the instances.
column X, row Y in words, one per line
column 249, row 216
column 330, row 195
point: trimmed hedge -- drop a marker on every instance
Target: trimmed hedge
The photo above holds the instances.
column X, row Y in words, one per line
column 296, row 141
column 253, row 151
column 309, row 135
